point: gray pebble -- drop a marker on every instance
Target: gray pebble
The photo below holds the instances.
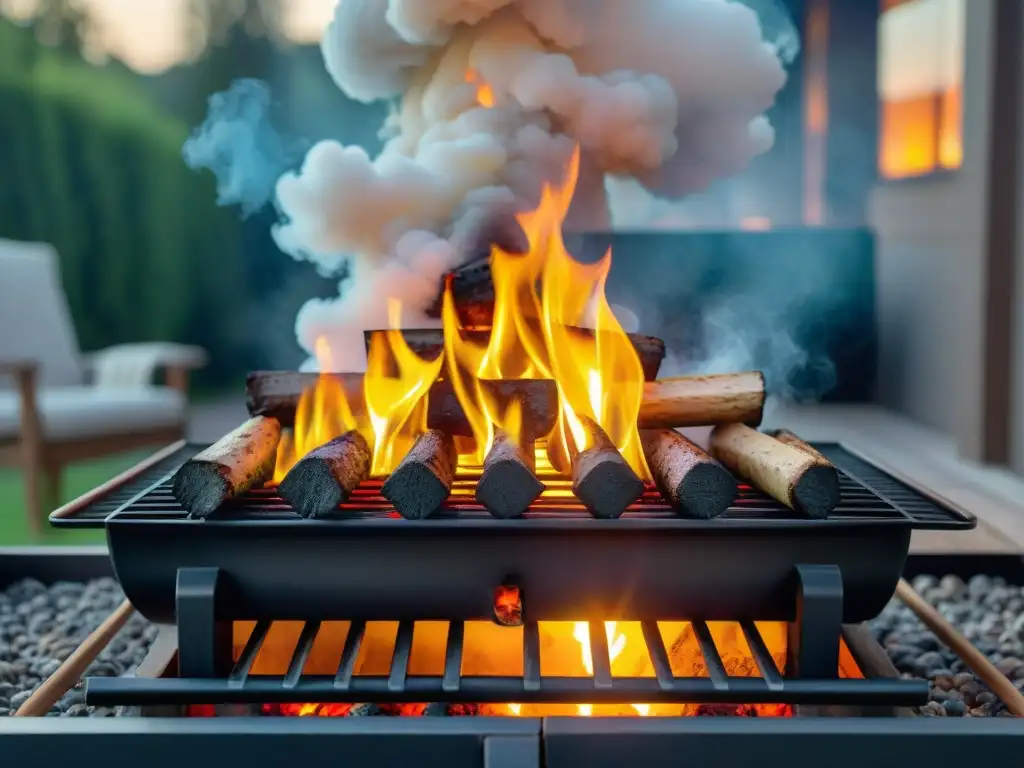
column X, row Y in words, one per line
column 955, row 708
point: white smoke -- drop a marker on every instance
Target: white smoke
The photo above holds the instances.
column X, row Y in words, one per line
column 668, row 92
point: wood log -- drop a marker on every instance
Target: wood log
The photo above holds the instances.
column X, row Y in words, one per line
column 277, row 394
column 601, row 478
column 690, row 480
column 508, row 486
column 325, row 477
column 685, row 401
column 697, row 401
column 797, row 479
column 790, row 439
column 428, row 343
column 422, row 481
column 242, row 459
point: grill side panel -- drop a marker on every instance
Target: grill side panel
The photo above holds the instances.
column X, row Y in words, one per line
column 283, row 571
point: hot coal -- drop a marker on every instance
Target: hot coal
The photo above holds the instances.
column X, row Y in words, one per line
column 40, row 626
column 988, row 612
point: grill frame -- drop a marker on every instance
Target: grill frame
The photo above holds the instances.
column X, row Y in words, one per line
column 378, row 568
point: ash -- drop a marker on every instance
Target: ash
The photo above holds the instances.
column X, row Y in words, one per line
column 988, row 612
column 40, row 626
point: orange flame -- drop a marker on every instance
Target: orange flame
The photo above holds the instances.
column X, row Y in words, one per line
column 389, row 411
column 484, row 92
column 542, row 298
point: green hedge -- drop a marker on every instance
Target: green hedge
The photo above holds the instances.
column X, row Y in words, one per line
column 88, row 163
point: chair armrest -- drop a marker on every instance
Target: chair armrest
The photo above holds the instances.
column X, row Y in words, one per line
column 25, row 374
column 135, row 365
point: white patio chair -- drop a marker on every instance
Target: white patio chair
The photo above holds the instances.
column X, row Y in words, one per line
column 58, row 405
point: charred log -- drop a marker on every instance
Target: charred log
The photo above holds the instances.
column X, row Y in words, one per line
column 421, row 483
column 277, row 394
column 428, row 343
column 508, row 485
column 601, row 478
column 690, row 480
column 325, row 477
column 242, row 459
column 695, row 401
column 804, row 482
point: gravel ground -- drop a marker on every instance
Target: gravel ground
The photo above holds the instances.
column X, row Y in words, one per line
column 988, row 611
column 40, row 626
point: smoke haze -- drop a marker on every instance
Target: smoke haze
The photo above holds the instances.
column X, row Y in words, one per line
column 668, row 93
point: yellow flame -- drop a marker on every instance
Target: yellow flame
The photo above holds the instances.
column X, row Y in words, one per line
column 484, row 92
column 616, row 645
column 389, row 411
column 542, row 300
column 395, row 404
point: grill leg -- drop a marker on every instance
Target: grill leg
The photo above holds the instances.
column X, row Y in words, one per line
column 204, row 642
column 813, row 647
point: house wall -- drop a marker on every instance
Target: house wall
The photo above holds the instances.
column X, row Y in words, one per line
column 932, row 273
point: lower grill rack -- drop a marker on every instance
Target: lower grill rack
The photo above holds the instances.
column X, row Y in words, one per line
column 209, row 675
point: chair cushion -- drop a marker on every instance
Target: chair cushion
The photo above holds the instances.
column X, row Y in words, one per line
column 35, row 322
column 84, row 412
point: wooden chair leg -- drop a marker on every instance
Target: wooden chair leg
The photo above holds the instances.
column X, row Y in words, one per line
column 52, row 475
column 31, row 472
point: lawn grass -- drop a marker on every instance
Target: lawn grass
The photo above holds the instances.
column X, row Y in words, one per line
column 77, row 479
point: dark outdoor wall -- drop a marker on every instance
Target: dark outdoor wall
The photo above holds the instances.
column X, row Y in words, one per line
column 792, row 299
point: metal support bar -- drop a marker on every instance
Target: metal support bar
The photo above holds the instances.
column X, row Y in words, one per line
column 204, row 642
column 812, row 651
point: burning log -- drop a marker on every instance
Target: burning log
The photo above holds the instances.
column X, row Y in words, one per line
column 277, row 394
column 802, row 481
column 601, row 478
column 241, row 460
column 326, row 476
column 695, row 401
column 508, row 485
column 421, row 483
column 690, row 480
column 428, row 343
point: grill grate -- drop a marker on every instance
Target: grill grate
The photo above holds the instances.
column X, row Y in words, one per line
column 769, row 686
column 869, row 495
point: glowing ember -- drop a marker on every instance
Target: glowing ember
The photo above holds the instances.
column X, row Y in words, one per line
column 490, row 650
column 484, row 92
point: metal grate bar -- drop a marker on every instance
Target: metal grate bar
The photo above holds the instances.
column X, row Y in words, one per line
column 301, row 655
column 400, row 659
column 453, row 657
column 659, row 657
column 765, row 663
column 531, row 656
column 349, row 654
column 712, row 659
column 249, row 653
column 599, row 656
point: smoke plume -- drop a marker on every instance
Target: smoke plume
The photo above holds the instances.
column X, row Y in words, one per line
column 239, row 144
column 670, row 93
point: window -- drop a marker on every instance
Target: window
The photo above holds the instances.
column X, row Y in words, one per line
column 920, row 86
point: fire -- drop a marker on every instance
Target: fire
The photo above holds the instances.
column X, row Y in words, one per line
column 389, row 410
column 542, row 300
column 484, row 92
column 494, row 651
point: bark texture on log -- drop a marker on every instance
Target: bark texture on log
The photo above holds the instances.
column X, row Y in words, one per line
column 241, row 460
column 793, row 477
column 696, row 401
column 277, row 394
column 790, row 439
column 324, row 478
column 421, row 483
column 690, row 480
column 508, row 486
column 601, row 478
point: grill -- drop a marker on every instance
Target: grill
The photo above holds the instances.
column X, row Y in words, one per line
column 256, row 560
